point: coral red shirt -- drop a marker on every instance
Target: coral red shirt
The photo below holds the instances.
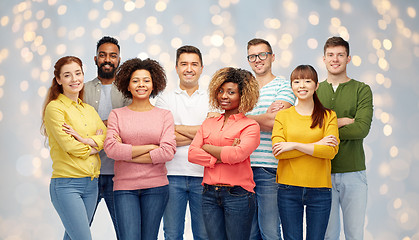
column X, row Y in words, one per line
column 235, row 168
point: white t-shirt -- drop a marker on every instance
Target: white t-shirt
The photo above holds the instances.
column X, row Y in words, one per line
column 190, row 111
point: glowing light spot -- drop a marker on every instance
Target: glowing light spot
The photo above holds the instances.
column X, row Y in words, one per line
column 387, row 130
column 24, row 85
column 4, row 21
column 133, row 28
column 216, row 40
column 40, row 15
column 383, row 64
column 142, row 55
column 313, row 19
column 356, row 60
column 178, row 19
column 176, row 42
column 385, row 117
column 383, row 189
column 394, row 151
column 105, row 23
column 42, row 91
column 404, row 218
column 29, row 36
column 384, row 169
column 2, row 80
column 335, row 4
column 139, row 4
column 387, row 44
column 379, row 78
column 387, row 83
column 382, row 24
column 37, row 144
column 46, row 23
column 397, row 203
column 407, row 32
column 154, row 49
column 217, row 20
column 312, row 43
column 61, row 49
column 214, row 53
column 347, row 7
column 335, row 22
column 139, row 37
column 411, row 12
column 44, row 76
column 108, row 5
column 160, row 6
column 44, row 153
column 214, row 9
column 1, row 92
column 93, row 14
column 290, row 6
column 229, row 42
column 224, row 3
column 62, row 10
column 164, row 58
column 24, row 107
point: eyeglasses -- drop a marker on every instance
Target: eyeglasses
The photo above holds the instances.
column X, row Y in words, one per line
column 262, row 56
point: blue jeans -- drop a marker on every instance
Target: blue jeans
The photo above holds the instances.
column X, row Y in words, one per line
column 74, row 199
column 106, row 192
column 291, row 209
column 139, row 212
column 266, row 223
column 349, row 193
column 228, row 212
column 181, row 190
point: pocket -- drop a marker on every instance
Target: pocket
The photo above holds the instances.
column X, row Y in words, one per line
column 363, row 176
column 237, row 191
column 283, row 186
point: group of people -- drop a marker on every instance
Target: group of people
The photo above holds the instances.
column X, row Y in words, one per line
column 248, row 155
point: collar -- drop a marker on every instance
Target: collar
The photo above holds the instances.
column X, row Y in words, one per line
column 67, row 101
column 199, row 91
column 236, row 116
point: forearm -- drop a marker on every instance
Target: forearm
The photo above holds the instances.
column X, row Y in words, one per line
column 187, row 131
column 145, row 158
column 307, row 148
column 215, row 151
column 89, row 141
column 142, row 149
column 182, row 140
column 265, row 121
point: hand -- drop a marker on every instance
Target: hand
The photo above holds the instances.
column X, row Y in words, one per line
column 281, row 147
column 117, row 138
column 236, row 142
column 69, row 130
column 275, row 107
column 345, row 121
column 93, row 151
column 328, row 141
column 99, row 132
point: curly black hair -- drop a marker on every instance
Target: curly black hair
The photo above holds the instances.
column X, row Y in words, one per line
column 125, row 71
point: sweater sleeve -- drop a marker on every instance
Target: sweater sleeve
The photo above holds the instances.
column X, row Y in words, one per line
column 167, row 148
column 196, row 154
column 113, row 148
column 278, row 135
column 363, row 117
column 330, row 128
column 54, row 120
column 249, row 141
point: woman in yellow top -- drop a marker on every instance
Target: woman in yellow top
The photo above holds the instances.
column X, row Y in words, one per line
column 305, row 138
column 75, row 134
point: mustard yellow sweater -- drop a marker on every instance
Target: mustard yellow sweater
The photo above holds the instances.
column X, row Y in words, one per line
column 297, row 168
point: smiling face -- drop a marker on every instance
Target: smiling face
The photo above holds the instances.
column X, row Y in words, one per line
column 140, row 85
column 336, row 59
column 71, row 78
column 304, row 89
column 107, row 60
column 261, row 67
column 189, row 69
column 228, row 97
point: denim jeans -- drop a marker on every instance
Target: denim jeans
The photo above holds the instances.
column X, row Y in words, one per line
column 317, row 202
column 106, row 192
column 74, row 199
column 349, row 193
column 266, row 222
column 228, row 212
column 181, row 190
column 139, row 212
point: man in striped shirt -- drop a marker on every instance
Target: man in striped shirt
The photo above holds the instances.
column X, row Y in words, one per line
column 275, row 94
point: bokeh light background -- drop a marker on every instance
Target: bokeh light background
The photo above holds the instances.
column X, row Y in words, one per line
column 384, row 40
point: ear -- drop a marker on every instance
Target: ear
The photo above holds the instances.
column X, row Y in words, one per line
column 273, row 57
column 317, row 86
column 95, row 58
column 349, row 59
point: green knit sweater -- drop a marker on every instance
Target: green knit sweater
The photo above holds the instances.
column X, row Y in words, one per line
column 352, row 99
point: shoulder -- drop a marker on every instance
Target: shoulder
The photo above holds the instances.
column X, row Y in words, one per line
column 54, row 105
column 163, row 112
column 91, row 84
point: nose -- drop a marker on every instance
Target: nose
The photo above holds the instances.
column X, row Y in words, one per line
column 107, row 58
column 224, row 95
column 189, row 68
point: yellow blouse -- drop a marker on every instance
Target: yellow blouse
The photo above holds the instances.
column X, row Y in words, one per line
column 297, row 168
column 71, row 158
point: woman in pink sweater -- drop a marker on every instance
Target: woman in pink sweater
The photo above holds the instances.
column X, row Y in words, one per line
column 141, row 139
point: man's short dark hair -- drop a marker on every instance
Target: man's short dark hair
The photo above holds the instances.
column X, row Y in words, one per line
column 188, row 49
column 107, row 39
column 336, row 42
column 257, row 41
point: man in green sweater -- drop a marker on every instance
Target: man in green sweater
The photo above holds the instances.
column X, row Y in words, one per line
column 352, row 102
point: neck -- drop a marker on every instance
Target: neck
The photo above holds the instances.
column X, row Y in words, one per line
column 140, row 105
column 337, row 79
column 106, row 81
column 265, row 79
column 73, row 97
column 189, row 89
column 228, row 113
column 305, row 107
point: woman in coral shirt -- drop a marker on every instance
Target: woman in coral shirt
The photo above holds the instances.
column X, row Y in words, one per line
column 223, row 145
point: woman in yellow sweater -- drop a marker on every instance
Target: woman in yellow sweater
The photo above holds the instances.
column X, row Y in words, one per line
column 305, row 138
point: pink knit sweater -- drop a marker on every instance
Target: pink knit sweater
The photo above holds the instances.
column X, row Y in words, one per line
column 140, row 128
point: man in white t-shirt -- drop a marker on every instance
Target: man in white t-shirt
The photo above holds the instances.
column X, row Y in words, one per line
column 189, row 104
